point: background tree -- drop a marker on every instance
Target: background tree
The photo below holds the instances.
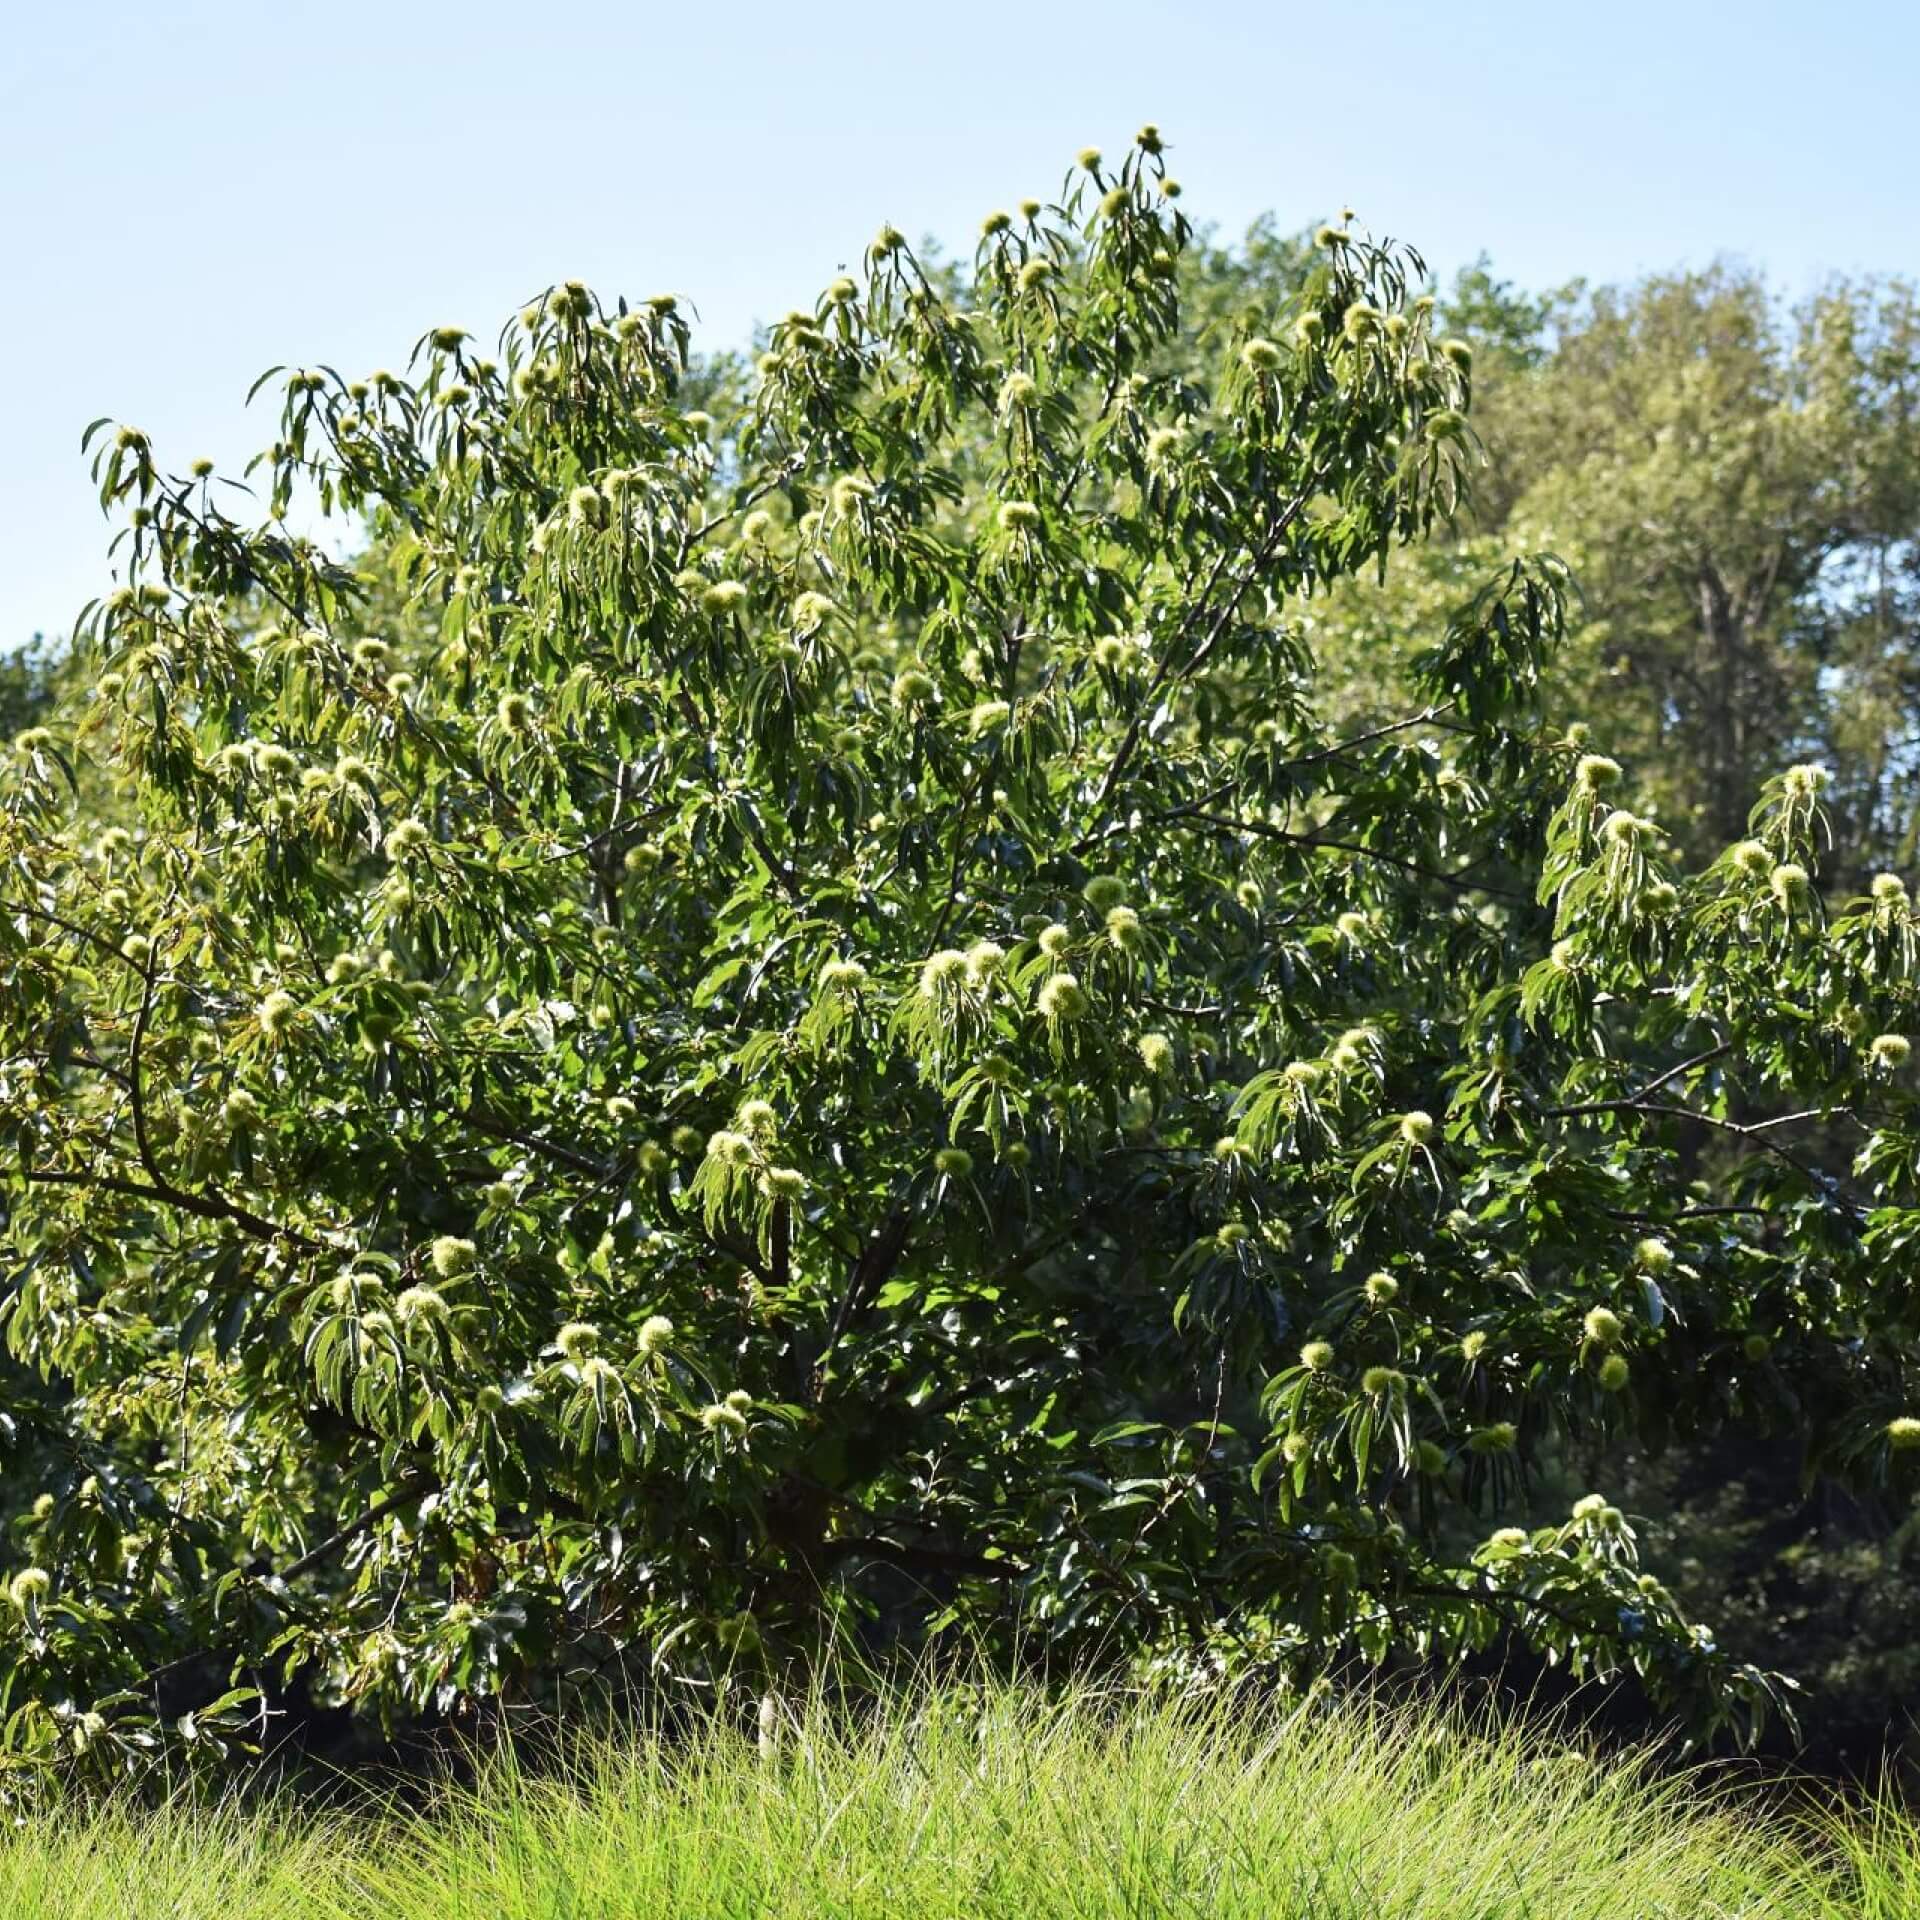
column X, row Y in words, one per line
column 797, row 1019
column 1735, row 487
column 1743, row 489
column 26, row 686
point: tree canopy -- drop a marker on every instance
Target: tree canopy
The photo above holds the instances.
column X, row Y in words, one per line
column 795, row 1016
column 1737, row 485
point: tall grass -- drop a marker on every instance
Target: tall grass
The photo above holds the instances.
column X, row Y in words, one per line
column 178, row 1862
column 1866, row 1864
column 992, row 1801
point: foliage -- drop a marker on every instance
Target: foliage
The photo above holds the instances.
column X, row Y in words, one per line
column 1732, row 484
column 1742, row 486
column 797, row 1020
column 985, row 1802
column 1735, row 488
column 26, row 687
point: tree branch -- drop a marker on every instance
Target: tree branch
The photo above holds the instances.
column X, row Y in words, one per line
column 1130, row 740
column 201, row 1206
column 1755, row 1131
column 557, row 1151
column 1461, row 882
column 97, row 941
column 911, row 1559
column 414, row 1488
column 877, row 1261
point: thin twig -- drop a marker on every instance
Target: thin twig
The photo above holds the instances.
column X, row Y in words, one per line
column 1461, row 882
column 1130, row 740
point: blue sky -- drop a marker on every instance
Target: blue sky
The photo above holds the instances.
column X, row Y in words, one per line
column 191, row 192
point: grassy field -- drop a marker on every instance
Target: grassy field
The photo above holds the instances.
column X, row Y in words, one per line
column 997, row 1803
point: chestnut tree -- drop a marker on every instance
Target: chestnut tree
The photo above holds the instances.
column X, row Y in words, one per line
column 784, row 1020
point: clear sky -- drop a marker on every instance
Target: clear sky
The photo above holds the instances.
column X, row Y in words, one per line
column 191, row 191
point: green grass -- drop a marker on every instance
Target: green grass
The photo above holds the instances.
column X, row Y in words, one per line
column 997, row 1802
